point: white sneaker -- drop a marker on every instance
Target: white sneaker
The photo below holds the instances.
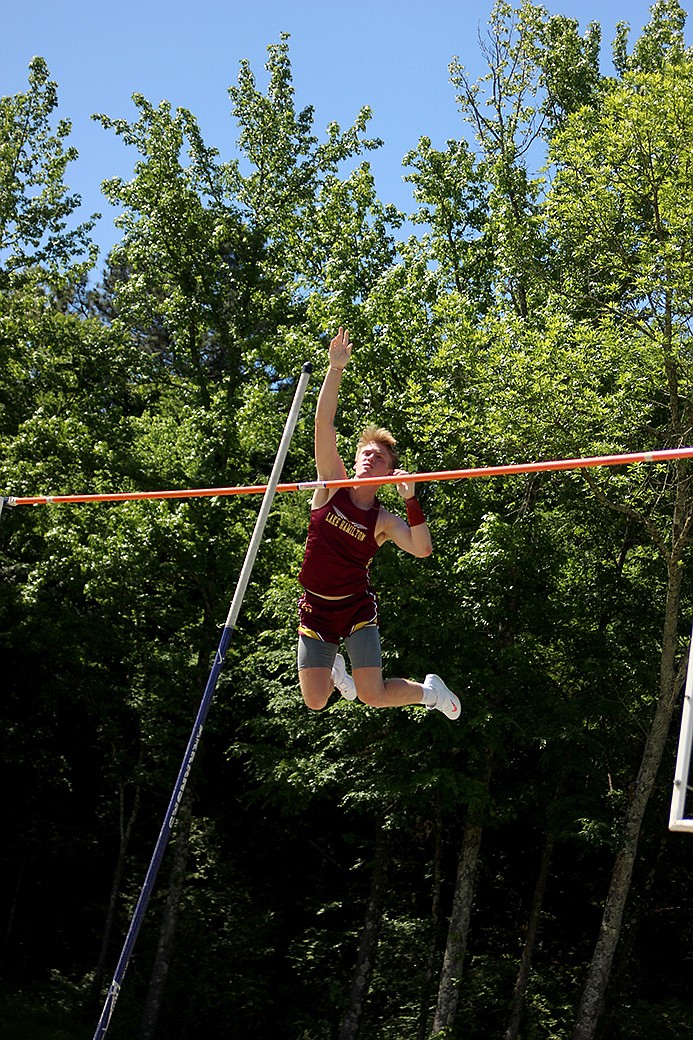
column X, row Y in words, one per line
column 446, row 701
column 342, row 680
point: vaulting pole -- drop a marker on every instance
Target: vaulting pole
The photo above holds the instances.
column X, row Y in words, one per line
column 203, row 711
column 513, row 468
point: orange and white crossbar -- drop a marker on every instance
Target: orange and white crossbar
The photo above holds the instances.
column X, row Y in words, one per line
column 665, row 455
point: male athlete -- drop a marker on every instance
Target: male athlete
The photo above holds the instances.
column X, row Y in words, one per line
column 347, row 526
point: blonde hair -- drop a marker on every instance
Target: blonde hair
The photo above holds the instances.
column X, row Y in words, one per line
column 379, row 435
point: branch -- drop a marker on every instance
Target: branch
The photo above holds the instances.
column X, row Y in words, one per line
column 628, row 511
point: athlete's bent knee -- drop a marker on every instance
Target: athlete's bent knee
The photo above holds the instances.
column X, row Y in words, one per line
column 372, row 696
column 314, row 704
column 316, row 687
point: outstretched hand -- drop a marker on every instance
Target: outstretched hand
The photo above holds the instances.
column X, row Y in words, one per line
column 340, row 349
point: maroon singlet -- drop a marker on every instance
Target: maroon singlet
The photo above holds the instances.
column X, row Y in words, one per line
column 340, row 547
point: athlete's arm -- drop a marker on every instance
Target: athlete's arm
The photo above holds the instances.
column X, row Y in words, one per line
column 328, row 462
column 415, row 540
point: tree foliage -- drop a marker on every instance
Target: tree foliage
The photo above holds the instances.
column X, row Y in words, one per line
column 355, row 871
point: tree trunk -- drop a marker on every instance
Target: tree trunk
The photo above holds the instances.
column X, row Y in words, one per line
column 592, row 1001
column 365, row 959
column 517, row 1006
column 169, row 920
column 125, row 831
column 181, row 848
column 427, row 989
column 12, row 912
column 456, row 948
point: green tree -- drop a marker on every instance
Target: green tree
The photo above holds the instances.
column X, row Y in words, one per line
column 219, row 278
column 621, row 213
column 35, row 203
column 543, row 380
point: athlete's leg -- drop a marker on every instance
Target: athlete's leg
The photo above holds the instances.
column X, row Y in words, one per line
column 365, row 655
column 366, row 659
column 315, row 660
column 316, row 686
column 388, row 693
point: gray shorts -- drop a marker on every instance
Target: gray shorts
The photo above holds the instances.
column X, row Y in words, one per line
column 363, row 648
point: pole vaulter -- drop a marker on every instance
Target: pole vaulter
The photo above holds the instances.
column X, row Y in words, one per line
column 664, row 455
column 203, row 711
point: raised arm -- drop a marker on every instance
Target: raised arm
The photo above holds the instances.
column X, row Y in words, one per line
column 327, row 460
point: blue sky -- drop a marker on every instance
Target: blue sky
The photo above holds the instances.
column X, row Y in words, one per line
column 392, row 55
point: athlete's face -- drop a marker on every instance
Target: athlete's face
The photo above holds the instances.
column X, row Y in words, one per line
column 373, row 460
